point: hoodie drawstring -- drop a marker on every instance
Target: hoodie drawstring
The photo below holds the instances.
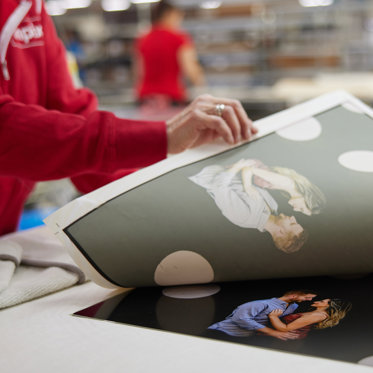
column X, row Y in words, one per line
column 7, row 32
column 38, row 6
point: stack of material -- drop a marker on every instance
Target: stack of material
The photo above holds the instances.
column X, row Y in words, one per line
column 34, row 264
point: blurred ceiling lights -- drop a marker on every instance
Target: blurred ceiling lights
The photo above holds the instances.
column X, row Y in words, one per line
column 59, row 7
column 115, row 5
column 144, row 1
column 311, row 3
column 76, row 4
column 55, row 7
column 119, row 5
column 211, row 4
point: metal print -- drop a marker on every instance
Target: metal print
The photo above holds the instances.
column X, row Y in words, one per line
column 315, row 316
column 296, row 202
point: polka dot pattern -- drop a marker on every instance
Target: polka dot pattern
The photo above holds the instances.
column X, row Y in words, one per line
column 183, row 267
column 304, row 130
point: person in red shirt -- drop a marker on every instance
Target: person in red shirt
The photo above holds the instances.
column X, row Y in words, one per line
column 50, row 130
column 164, row 56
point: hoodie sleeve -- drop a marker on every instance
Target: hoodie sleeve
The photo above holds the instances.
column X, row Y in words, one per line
column 69, row 137
column 63, row 96
column 39, row 144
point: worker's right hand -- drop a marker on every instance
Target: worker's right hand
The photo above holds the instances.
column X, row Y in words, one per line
column 200, row 123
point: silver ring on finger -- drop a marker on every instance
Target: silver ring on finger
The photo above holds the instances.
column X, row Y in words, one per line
column 219, row 109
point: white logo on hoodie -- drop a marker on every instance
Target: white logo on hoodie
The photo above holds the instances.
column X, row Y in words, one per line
column 28, row 34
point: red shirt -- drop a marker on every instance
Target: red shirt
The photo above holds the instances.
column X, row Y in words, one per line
column 300, row 333
column 161, row 70
column 49, row 129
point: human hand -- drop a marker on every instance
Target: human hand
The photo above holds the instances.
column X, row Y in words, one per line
column 284, row 336
column 276, row 313
column 278, row 334
column 200, row 123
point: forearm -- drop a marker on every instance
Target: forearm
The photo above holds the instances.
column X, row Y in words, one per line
column 237, row 167
column 278, row 324
column 195, row 74
column 248, row 182
column 260, row 171
column 190, row 65
column 39, row 144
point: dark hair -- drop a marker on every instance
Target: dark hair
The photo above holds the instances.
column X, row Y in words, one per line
column 300, row 292
column 161, row 9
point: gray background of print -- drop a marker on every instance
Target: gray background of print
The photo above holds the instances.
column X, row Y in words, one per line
column 128, row 236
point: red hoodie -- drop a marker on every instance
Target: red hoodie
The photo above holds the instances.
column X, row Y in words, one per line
column 49, row 129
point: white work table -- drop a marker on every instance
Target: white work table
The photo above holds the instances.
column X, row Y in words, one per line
column 42, row 336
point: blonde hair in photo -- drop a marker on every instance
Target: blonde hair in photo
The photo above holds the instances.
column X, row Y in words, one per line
column 313, row 196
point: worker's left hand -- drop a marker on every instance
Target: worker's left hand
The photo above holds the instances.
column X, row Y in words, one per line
column 206, row 119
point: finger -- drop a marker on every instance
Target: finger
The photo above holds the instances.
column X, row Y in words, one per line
column 217, row 124
column 230, row 117
column 291, row 336
column 228, row 114
column 247, row 127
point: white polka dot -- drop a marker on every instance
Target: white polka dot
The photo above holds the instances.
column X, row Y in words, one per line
column 305, row 130
column 191, row 292
column 352, row 107
column 366, row 361
column 359, row 160
column 183, row 267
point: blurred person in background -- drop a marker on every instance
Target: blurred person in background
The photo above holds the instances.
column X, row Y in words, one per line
column 163, row 57
column 51, row 130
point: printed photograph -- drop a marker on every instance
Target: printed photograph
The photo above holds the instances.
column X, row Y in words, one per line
column 297, row 202
column 241, row 192
column 318, row 316
column 279, row 318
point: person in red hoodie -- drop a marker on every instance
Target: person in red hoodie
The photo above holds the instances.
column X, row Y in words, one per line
column 50, row 130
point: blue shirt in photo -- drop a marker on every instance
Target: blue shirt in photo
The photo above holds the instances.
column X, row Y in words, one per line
column 252, row 316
